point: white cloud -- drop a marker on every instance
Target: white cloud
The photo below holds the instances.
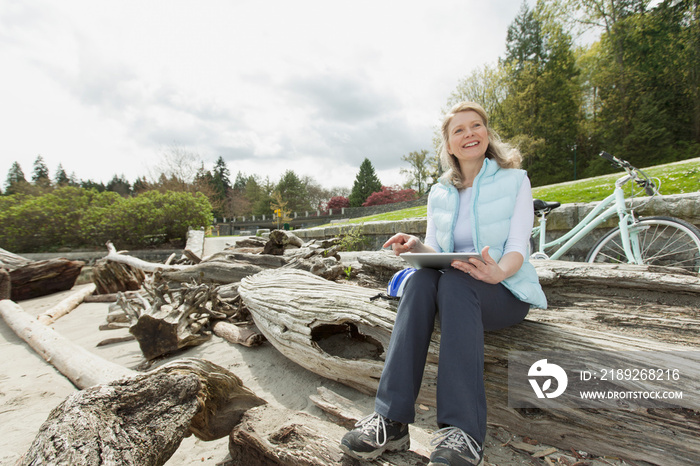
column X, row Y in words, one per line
column 311, row 85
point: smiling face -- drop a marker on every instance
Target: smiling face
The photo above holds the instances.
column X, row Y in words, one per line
column 468, row 137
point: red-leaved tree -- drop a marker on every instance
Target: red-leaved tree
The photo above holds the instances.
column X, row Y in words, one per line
column 338, row 202
column 390, row 195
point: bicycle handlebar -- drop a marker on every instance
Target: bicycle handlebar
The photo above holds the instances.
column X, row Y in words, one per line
column 608, row 157
column 639, row 176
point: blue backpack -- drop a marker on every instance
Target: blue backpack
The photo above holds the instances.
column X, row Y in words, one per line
column 398, row 282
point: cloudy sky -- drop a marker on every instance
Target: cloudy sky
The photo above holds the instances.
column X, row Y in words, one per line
column 315, row 86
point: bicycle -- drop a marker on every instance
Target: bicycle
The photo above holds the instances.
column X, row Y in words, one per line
column 661, row 241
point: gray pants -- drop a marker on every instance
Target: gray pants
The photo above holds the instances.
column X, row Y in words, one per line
column 466, row 307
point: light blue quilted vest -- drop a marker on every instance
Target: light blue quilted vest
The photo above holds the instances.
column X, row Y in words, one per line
column 493, row 197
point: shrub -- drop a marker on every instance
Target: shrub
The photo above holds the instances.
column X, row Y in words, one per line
column 77, row 217
column 390, row 195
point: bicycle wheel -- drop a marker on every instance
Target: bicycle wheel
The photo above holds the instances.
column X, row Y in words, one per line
column 663, row 241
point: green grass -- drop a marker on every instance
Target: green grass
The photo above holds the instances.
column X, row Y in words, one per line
column 676, row 178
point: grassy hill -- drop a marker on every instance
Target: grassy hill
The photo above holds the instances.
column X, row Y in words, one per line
column 676, row 178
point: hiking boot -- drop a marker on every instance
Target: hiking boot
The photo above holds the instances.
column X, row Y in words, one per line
column 454, row 447
column 374, row 435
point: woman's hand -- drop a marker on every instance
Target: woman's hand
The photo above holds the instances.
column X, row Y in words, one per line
column 488, row 271
column 401, row 242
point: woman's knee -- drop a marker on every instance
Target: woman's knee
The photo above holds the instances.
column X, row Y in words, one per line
column 423, row 281
column 419, row 292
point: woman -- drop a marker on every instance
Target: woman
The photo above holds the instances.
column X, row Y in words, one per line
column 482, row 203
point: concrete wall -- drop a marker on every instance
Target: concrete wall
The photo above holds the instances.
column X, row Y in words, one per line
column 683, row 206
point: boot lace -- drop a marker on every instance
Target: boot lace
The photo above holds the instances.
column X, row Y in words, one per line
column 455, row 438
column 374, row 425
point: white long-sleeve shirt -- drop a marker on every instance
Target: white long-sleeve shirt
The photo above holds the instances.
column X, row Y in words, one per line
column 520, row 224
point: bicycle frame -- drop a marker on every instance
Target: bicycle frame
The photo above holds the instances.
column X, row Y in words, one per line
column 600, row 214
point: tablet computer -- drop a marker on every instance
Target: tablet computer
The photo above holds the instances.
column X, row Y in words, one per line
column 437, row 260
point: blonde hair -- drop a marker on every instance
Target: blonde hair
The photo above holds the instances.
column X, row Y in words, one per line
column 502, row 153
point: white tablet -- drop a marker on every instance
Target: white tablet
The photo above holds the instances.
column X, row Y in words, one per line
column 437, row 260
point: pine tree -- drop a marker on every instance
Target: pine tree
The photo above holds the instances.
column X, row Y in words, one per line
column 119, row 185
column 366, row 183
column 40, row 177
column 221, row 185
column 15, row 178
column 61, row 177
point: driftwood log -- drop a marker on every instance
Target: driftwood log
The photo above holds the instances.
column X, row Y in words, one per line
column 270, row 435
column 336, row 331
column 112, row 277
column 41, row 278
column 279, row 240
column 12, row 261
column 66, row 305
column 141, row 420
column 246, row 335
column 79, row 365
column 171, row 319
column 116, row 256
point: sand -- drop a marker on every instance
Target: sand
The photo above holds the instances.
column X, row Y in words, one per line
column 30, row 387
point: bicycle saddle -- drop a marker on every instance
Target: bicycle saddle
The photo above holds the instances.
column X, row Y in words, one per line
column 543, row 207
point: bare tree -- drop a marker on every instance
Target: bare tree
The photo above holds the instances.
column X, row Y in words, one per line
column 177, row 167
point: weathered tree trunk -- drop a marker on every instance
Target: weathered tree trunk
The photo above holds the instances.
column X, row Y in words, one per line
column 336, row 331
column 66, row 305
column 173, row 320
column 112, row 277
column 135, row 262
column 41, row 278
column 79, row 365
column 275, row 436
column 279, row 240
column 194, row 248
column 246, row 335
column 223, row 399
column 130, row 422
column 12, row 261
column 141, row 420
column 216, row 272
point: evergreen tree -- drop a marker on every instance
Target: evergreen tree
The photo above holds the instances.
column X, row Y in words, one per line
column 61, row 177
column 293, row 192
column 40, row 177
column 89, row 184
column 119, row 185
column 541, row 112
column 15, row 178
column 221, row 178
column 366, row 183
column 221, row 185
column 524, row 41
column 241, row 180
